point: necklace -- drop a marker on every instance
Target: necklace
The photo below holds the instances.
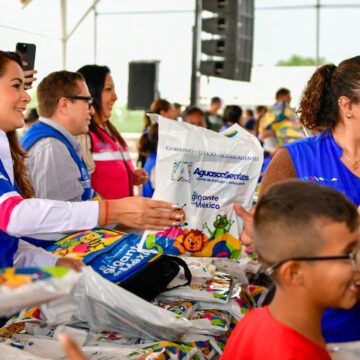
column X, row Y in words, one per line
column 356, row 163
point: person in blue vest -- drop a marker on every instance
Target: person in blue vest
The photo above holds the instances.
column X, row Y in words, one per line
column 56, row 168
column 330, row 106
column 22, row 215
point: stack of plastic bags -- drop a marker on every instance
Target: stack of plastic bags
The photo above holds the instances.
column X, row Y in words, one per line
column 108, row 322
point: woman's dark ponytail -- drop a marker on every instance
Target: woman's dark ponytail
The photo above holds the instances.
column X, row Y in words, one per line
column 317, row 108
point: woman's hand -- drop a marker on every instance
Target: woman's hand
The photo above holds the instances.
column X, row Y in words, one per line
column 140, row 177
column 70, row 264
column 140, row 213
column 247, row 234
column 29, row 78
column 70, row 348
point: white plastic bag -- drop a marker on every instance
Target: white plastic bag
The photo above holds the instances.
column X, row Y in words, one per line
column 26, row 287
column 204, row 173
column 104, row 306
column 42, row 346
column 344, row 351
column 210, row 321
column 237, row 268
column 7, row 352
column 152, row 351
column 217, row 290
column 201, row 267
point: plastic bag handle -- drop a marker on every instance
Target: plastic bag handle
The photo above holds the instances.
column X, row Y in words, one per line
column 187, row 272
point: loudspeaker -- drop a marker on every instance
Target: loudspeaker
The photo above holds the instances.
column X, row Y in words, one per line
column 143, row 84
column 229, row 53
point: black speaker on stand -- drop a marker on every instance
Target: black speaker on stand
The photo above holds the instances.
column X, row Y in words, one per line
column 143, row 84
column 230, row 51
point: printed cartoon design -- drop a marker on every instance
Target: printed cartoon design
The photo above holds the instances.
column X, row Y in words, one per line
column 83, row 243
column 194, row 242
column 12, row 281
column 221, row 224
column 9, row 331
column 32, row 314
column 61, row 252
column 92, row 241
column 191, row 240
column 218, row 286
column 217, row 318
column 181, row 308
column 165, row 350
column 206, row 347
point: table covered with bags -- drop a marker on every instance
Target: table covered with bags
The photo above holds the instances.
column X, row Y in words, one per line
column 108, row 322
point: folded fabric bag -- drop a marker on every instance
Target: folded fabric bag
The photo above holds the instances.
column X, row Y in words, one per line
column 117, row 259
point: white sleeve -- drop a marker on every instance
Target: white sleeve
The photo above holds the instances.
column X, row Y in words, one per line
column 28, row 255
column 41, row 216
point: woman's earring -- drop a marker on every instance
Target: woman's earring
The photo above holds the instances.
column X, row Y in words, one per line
column 349, row 115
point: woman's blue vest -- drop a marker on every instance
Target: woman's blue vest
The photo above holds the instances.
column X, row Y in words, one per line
column 317, row 159
column 8, row 244
column 41, row 130
column 148, row 190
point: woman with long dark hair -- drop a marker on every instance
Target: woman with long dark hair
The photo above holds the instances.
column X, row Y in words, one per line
column 104, row 150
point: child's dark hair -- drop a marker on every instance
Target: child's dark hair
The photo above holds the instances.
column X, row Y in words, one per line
column 159, row 105
column 282, row 92
column 260, row 108
column 193, row 110
column 156, row 107
column 215, row 99
column 319, row 103
column 288, row 217
column 232, row 114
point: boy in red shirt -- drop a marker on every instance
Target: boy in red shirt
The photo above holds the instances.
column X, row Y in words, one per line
column 307, row 238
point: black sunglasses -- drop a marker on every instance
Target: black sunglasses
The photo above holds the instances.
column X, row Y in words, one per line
column 89, row 99
column 353, row 257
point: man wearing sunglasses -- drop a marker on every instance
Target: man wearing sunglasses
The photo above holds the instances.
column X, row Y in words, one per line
column 56, row 169
column 307, row 236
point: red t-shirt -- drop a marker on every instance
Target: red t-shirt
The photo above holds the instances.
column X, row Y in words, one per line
column 259, row 336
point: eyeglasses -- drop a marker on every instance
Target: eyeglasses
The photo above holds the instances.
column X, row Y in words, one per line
column 353, row 257
column 89, row 99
